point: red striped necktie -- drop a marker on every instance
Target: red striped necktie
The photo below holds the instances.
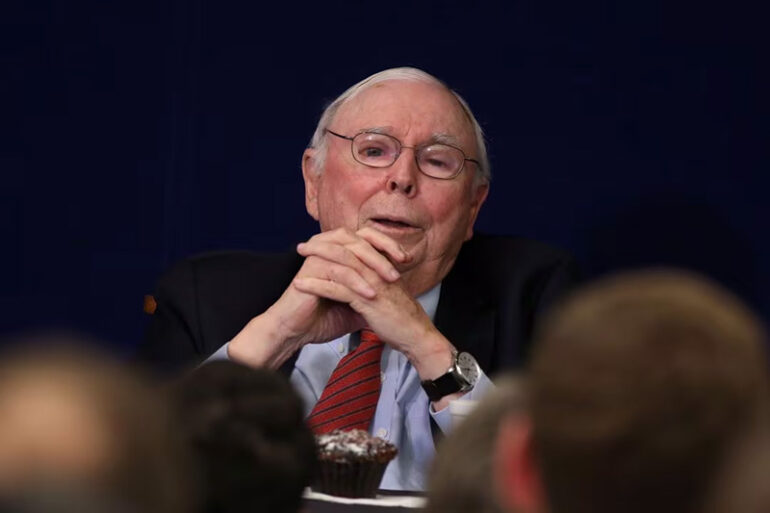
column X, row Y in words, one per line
column 350, row 397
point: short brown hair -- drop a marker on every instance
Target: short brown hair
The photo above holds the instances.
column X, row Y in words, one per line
column 640, row 384
column 461, row 484
column 247, row 431
column 141, row 466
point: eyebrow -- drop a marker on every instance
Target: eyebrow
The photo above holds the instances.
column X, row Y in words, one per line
column 386, row 130
column 438, row 137
column 445, row 138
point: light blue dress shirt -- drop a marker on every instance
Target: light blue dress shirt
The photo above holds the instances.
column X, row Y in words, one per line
column 403, row 411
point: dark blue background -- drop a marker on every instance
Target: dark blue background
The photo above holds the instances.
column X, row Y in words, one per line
column 136, row 133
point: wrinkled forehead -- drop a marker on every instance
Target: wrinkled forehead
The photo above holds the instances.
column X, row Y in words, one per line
column 415, row 112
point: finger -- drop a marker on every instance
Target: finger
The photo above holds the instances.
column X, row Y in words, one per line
column 339, row 236
column 358, row 254
column 385, row 244
column 321, row 268
column 377, row 239
column 326, row 289
column 374, row 259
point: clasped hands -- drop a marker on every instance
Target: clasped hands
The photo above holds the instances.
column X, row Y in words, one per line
column 348, row 280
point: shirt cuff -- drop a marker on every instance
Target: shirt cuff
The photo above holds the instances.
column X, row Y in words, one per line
column 444, row 419
column 220, row 354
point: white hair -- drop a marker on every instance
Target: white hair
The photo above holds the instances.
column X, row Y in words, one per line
column 483, row 174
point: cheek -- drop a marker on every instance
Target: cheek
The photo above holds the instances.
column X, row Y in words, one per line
column 449, row 205
column 450, row 216
column 340, row 200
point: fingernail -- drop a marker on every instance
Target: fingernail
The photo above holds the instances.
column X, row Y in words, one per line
column 300, row 245
column 393, row 274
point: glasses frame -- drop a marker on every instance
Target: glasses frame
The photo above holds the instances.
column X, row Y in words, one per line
column 401, row 146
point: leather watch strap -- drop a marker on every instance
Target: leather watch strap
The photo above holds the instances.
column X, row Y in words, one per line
column 440, row 387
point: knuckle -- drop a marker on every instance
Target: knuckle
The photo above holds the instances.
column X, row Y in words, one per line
column 315, row 238
column 344, row 231
column 350, row 257
column 360, row 244
column 338, row 273
column 332, row 272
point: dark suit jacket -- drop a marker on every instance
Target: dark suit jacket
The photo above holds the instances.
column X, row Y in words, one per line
column 489, row 303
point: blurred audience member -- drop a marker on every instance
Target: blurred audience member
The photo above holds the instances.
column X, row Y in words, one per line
column 80, row 431
column 247, row 428
column 743, row 485
column 641, row 385
column 461, row 480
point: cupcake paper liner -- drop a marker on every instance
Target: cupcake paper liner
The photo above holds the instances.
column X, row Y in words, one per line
column 350, row 479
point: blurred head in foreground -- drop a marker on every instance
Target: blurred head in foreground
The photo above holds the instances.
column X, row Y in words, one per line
column 641, row 386
column 461, row 479
column 80, row 431
column 743, row 485
column 246, row 428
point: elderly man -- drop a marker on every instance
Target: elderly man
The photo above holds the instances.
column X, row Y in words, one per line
column 394, row 309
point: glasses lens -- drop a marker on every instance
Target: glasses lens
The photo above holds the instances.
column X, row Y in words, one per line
column 440, row 161
column 376, row 150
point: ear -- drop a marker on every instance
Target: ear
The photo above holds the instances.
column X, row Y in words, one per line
column 517, row 477
column 311, row 178
column 478, row 197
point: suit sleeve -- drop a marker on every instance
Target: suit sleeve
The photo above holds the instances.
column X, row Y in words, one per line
column 553, row 283
column 562, row 277
column 171, row 339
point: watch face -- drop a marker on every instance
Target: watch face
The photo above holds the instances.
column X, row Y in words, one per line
column 468, row 367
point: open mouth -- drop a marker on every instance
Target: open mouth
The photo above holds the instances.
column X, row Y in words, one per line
column 392, row 223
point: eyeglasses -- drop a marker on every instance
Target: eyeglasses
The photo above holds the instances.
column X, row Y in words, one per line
column 438, row 160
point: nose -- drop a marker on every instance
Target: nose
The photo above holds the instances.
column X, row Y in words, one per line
column 402, row 176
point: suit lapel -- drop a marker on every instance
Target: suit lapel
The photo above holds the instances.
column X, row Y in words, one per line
column 466, row 315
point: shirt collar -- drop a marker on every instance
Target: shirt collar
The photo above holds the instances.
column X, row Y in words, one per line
column 429, row 301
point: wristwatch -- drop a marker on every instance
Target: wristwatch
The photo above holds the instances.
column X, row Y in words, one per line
column 461, row 377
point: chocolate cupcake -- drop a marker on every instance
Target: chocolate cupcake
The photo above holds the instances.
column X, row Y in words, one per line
column 352, row 463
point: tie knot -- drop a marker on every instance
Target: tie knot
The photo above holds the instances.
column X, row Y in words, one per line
column 369, row 337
